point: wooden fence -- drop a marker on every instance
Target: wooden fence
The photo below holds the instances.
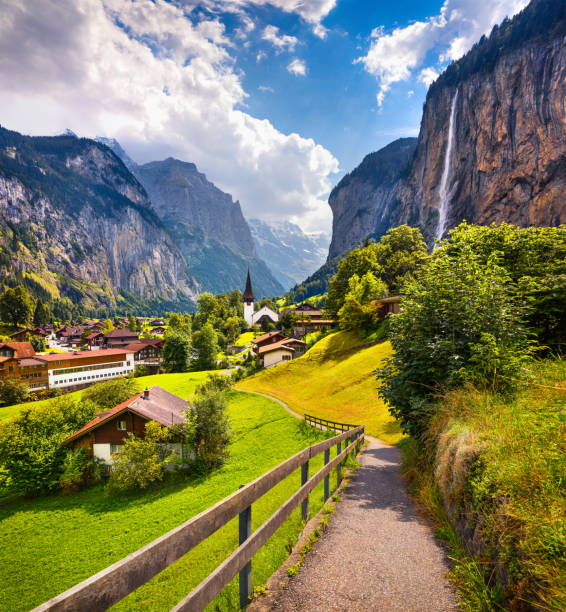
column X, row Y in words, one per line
column 326, row 424
column 103, row 590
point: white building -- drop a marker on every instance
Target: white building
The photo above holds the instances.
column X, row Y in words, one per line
column 264, row 314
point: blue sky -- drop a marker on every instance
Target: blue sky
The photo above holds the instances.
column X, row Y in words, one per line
column 273, row 99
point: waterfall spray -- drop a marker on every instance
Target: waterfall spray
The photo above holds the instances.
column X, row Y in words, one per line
column 444, row 192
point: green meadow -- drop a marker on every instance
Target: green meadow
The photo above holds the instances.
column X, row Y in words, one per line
column 49, row 544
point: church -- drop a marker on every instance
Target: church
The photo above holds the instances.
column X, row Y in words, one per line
column 263, row 316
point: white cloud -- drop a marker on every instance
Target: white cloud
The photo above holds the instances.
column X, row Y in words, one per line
column 297, row 67
column 144, row 73
column 427, row 76
column 266, row 89
column 261, row 55
column 279, row 41
column 320, row 31
column 395, row 56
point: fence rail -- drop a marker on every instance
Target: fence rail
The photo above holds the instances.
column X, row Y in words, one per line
column 326, row 424
column 104, row 589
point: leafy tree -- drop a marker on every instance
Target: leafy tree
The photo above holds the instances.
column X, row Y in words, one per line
column 79, row 469
column 16, row 306
column 30, row 443
column 41, row 313
column 287, row 321
column 207, row 425
column 141, row 460
column 12, row 392
column 460, row 323
column 360, row 308
column 108, row 326
column 179, row 323
column 110, row 393
column 177, row 351
column 133, row 324
column 232, row 328
column 38, row 342
column 208, row 305
column 206, row 345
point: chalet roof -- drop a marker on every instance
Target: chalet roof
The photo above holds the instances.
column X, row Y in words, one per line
column 82, row 354
column 152, row 341
column 161, row 406
column 136, row 347
column 21, row 349
column 393, row 299
column 123, row 332
column 267, row 336
column 305, row 306
column 248, row 293
column 94, row 335
column 315, row 320
column 30, row 361
column 276, row 346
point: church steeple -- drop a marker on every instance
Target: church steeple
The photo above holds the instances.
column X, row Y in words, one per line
column 248, row 293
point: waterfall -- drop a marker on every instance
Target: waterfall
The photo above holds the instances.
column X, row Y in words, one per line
column 444, row 192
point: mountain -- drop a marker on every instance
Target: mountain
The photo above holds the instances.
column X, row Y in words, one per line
column 290, row 253
column 75, row 223
column 491, row 146
column 208, row 226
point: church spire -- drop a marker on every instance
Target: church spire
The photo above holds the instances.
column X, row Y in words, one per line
column 248, row 293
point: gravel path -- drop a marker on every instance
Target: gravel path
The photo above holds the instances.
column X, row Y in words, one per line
column 377, row 554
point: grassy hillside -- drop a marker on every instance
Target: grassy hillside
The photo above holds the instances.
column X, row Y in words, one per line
column 182, row 384
column 47, row 545
column 334, row 380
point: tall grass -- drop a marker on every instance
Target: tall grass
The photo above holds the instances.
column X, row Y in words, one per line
column 497, row 469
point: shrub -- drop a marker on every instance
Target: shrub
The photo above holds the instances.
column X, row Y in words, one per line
column 177, row 351
column 30, row 444
column 141, row 460
column 13, row 392
column 460, row 322
column 110, row 393
column 80, row 469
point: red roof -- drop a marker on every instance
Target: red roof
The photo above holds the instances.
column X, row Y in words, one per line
column 161, row 406
column 94, row 335
column 276, row 346
column 30, row 361
column 267, row 336
column 136, row 347
column 21, row 349
column 123, row 332
column 82, row 354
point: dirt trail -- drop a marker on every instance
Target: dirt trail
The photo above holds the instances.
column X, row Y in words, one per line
column 378, row 553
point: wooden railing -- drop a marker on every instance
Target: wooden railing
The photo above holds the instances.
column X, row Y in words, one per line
column 326, row 424
column 103, row 590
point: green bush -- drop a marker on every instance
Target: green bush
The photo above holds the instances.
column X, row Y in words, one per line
column 105, row 395
column 13, row 392
column 461, row 322
column 80, row 469
column 30, row 444
column 177, row 351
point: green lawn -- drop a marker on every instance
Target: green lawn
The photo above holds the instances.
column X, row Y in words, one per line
column 334, row 380
column 182, row 384
column 49, row 544
column 244, row 339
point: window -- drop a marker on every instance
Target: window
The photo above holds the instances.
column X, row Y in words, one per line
column 286, row 357
column 115, row 449
column 122, row 426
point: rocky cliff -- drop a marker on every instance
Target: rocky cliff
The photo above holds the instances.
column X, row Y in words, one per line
column 292, row 254
column 208, row 226
column 491, row 146
column 75, row 223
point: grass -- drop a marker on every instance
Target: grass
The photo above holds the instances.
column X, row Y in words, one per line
column 49, row 544
column 182, row 384
column 333, row 380
column 503, row 461
column 244, row 339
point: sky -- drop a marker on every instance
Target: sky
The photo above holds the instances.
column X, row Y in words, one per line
column 274, row 100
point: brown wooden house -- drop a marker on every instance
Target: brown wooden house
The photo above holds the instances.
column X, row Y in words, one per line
column 105, row 434
column 265, row 339
column 119, row 338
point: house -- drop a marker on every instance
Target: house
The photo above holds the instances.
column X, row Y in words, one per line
column 105, row 434
column 284, row 350
column 20, row 335
column 119, row 338
column 157, row 322
column 147, row 355
column 95, row 339
column 307, row 311
column 264, row 316
column 18, row 361
column 265, row 339
column 70, row 335
column 389, row 305
column 157, row 331
column 302, row 327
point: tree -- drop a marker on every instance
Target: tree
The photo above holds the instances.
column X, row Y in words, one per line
column 360, row 309
column 460, row 323
column 208, row 305
column 12, row 392
column 108, row 326
column 133, row 324
column 179, row 323
column 110, row 393
column 207, row 426
column 177, row 351
column 141, row 460
column 206, row 345
column 16, row 306
column 41, row 313
column 38, row 342
column 232, row 328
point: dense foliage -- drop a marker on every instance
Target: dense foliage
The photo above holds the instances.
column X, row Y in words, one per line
column 16, row 306
column 205, row 342
column 12, row 392
column 177, row 351
column 110, row 393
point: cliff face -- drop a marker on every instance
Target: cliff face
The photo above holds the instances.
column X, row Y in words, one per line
column 491, row 147
column 75, row 223
column 508, row 159
column 208, row 226
column 363, row 201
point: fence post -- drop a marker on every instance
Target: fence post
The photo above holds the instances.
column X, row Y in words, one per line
column 245, row 531
column 327, row 477
column 304, row 478
column 338, row 451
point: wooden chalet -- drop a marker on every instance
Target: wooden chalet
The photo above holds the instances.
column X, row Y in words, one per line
column 105, row 434
column 95, row 339
column 269, row 338
column 18, row 361
column 20, row 335
column 157, row 331
column 390, row 305
column 119, row 338
column 284, row 350
column 147, row 355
